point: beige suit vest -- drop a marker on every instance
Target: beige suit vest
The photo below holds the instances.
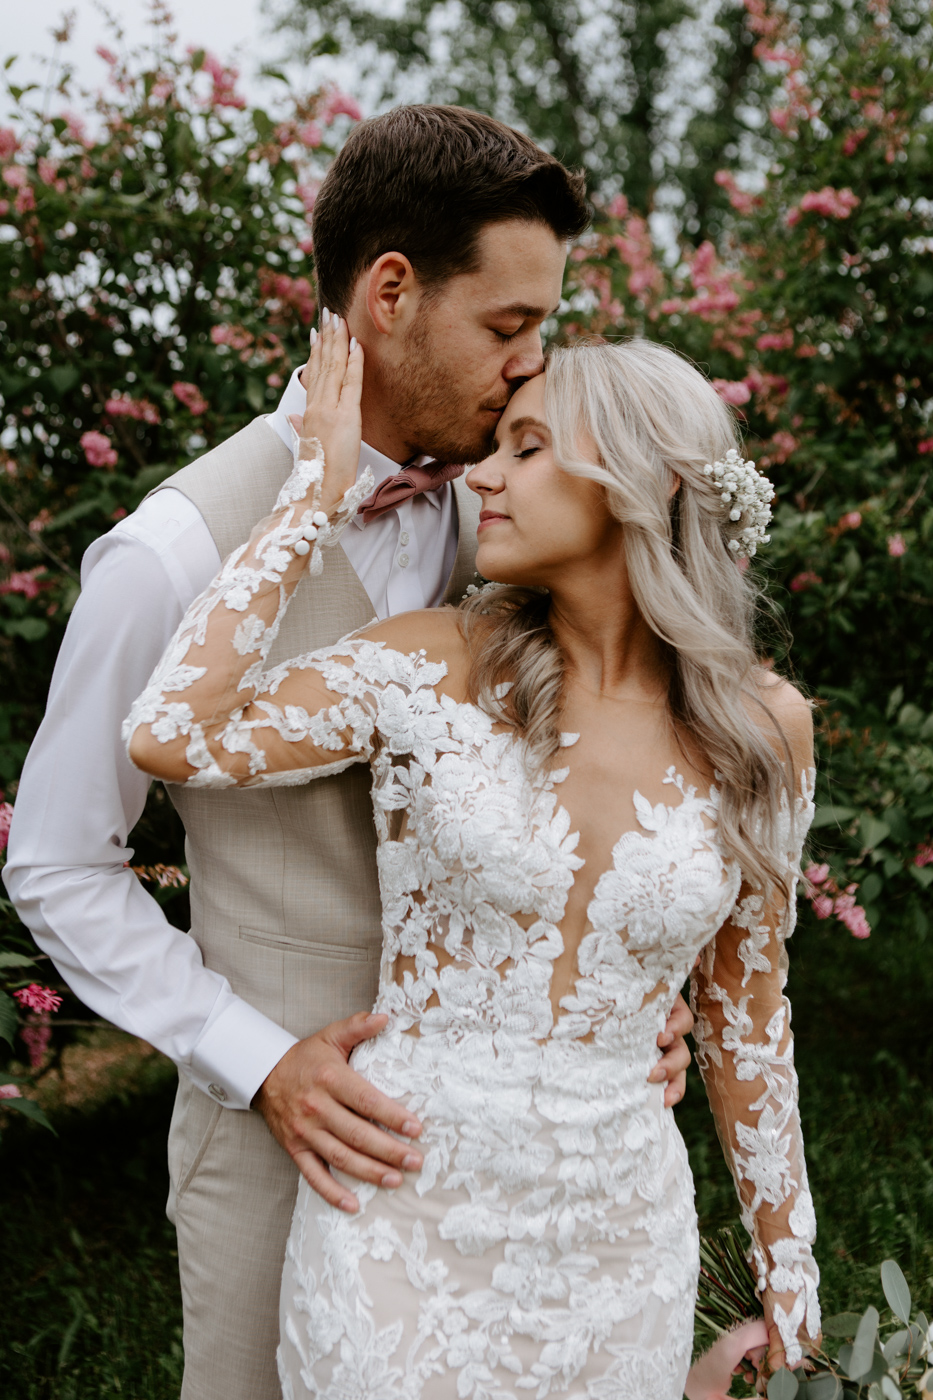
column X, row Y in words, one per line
column 284, row 895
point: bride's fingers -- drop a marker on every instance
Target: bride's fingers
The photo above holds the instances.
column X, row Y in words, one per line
column 352, row 387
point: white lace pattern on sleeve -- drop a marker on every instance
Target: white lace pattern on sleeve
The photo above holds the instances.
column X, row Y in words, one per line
column 255, row 582
column 745, row 1055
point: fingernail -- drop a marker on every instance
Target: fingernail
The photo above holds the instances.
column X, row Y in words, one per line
column 411, row 1163
column 325, row 316
column 391, row 1179
column 410, row 1128
column 313, row 335
column 664, row 1038
column 352, row 342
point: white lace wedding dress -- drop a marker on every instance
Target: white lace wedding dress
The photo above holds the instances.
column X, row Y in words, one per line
column 549, row 1245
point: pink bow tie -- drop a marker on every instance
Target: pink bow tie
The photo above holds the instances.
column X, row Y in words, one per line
column 395, row 490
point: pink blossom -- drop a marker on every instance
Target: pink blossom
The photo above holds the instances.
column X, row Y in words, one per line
column 106, row 54
column 236, row 337
column 618, row 207
column 38, row 998
column 780, row 116
column 25, row 583
column 834, row 204
column 40, row 522
column 224, row 92
column 25, row 201
column 97, row 450
column 274, row 381
column 306, row 245
column 792, row 216
column 732, row 391
column 822, row 906
column 15, row 176
column 854, row 139
column 775, row 340
column 119, row 513
column 9, row 145
column 925, row 446
column 310, row 135
column 307, row 193
column 6, row 817
column 10, row 1091
column 36, row 1037
column 924, row 854
column 801, row 582
column 4, row 207
column 896, row 546
column 191, row 396
column 850, row 914
column 740, row 200
column 816, row 874
column 122, row 406
column 75, row 127
column 783, row 444
column 48, row 170
column 338, row 104
column 850, row 521
column 295, row 292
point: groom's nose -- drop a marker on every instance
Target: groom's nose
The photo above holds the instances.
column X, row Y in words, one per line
column 526, row 361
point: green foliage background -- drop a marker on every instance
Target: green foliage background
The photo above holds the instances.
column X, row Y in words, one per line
column 164, row 247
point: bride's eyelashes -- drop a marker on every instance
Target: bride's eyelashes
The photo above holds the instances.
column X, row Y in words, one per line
column 526, row 452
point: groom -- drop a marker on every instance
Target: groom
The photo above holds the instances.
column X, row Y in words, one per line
column 440, row 235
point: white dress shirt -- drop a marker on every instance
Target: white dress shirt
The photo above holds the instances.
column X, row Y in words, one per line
column 79, row 796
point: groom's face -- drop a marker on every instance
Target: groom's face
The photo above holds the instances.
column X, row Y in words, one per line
column 474, row 341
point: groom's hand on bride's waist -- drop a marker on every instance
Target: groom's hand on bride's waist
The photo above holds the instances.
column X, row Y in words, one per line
column 675, row 1058
column 325, row 1114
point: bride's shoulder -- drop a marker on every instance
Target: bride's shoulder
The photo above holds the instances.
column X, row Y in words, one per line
column 434, row 631
column 791, row 712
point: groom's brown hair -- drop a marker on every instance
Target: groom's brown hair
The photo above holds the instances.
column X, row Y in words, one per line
column 424, row 181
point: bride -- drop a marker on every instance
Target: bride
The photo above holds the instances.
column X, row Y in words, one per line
column 584, row 786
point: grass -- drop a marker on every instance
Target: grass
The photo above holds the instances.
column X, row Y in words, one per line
column 88, row 1269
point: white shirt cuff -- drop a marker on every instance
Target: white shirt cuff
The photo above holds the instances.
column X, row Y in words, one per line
column 236, row 1053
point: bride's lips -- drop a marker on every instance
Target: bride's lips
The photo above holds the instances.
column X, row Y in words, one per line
column 489, row 517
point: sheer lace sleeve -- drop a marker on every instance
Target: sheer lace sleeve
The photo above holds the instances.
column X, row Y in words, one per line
column 212, row 715
column 745, row 1055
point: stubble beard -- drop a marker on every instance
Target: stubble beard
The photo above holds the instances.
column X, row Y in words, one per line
column 429, row 404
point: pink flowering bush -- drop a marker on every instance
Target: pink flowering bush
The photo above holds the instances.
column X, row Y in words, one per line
column 155, row 292
column 812, row 314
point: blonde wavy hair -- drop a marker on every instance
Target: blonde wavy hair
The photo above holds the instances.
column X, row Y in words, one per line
column 654, row 419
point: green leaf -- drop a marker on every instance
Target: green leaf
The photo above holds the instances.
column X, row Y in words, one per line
column 894, row 701
column 16, row 960
column 923, row 874
column 821, row 1388
column 256, row 394
column 782, row 1385
column 9, row 1018
column 832, row 816
column 31, row 629
column 872, row 831
column 896, row 1290
column 31, row 1110
column 863, row 1348
column 64, row 377
column 841, row 1324
column 889, row 1390
column 870, row 888
column 910, row 717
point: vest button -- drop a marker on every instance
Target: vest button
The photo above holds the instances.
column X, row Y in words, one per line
column 219, row 1094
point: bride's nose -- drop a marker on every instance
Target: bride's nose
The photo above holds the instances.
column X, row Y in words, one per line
column 485, row 478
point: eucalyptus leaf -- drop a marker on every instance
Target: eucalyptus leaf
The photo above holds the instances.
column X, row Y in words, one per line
column 896, row 1290
column 897, row 1345
column 863, row 1348
column 823, row 1388
column 841, row 1324
column 783, row 1385
column 889, row 1390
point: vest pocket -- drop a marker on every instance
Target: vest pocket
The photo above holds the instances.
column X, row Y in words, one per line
column 311, row 946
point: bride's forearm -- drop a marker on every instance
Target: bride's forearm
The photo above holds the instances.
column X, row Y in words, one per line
column 214, row 666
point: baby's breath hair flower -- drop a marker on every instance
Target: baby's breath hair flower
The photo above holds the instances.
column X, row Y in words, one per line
column 746, row 495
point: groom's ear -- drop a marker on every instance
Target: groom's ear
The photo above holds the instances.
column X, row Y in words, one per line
column 392, row 293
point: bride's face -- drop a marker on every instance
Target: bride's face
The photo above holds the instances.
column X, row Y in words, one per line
column 536, row 520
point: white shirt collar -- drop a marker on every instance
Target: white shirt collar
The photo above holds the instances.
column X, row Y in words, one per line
column 293, row 401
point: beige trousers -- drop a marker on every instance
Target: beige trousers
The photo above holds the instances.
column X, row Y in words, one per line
column 231, row 1199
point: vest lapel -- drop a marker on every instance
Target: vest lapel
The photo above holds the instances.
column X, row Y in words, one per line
column 464, row 570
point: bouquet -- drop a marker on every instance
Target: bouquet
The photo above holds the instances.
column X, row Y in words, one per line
column 860, row 1357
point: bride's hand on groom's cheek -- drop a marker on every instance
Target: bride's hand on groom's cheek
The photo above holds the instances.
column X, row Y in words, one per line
column 325, row 1115
column 333, row 380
